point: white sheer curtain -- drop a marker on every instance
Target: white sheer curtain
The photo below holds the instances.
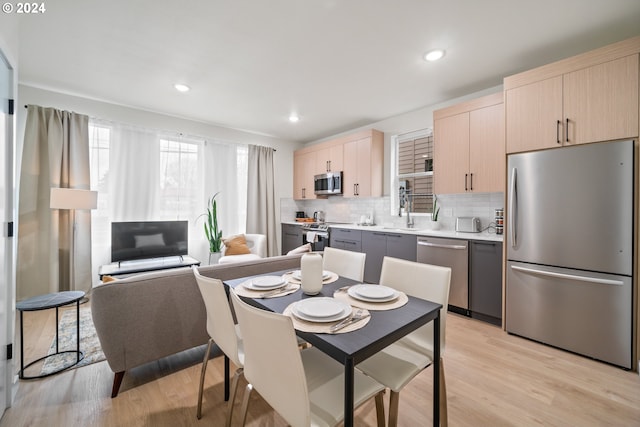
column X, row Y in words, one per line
column 149, row 175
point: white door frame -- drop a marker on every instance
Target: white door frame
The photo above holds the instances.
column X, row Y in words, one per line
column 7, row 242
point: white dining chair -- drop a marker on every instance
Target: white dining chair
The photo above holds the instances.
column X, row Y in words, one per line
column 398, row 363
column 257, row 244
column 223, row 331
column 344, row 263
column 305, row 387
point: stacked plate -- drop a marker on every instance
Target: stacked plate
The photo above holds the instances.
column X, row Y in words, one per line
column 321, row 309
column 265, row 283
column 373, row 293
column 297, row 274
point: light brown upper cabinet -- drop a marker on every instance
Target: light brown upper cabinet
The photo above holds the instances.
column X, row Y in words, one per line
column 587, row 98
column 329, row 159
column 304, row 164
column 469, row 150
column 359, row 156
column 363, row 165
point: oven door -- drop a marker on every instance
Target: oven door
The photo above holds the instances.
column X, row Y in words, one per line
column 318, row 239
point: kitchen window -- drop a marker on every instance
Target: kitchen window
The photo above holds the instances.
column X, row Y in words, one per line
column 412, row 172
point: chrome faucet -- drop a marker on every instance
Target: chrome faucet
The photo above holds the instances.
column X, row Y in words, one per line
column 407, row 205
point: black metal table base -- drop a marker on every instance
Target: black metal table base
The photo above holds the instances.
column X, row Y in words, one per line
column 80, row 354
column 55, row 300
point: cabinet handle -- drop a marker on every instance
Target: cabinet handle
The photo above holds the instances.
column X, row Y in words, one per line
column 355, row 192
column 304, row 193
column 558, row 131
column 567, row 131
column 479, row 242
column 465, row 182
column 329, row 166
column 471, row 181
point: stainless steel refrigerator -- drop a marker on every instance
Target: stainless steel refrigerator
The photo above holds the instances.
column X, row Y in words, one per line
column 570, row 249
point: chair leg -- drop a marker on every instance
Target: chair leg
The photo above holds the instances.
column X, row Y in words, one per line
column 444, row 418
column 245, row 404
column 394, row 400
column 232, row 398
column 117, row 382
column 202, row 374
column 380, row 409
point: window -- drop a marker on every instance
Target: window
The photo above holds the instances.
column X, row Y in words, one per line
column 146, row 175
column 412, row 172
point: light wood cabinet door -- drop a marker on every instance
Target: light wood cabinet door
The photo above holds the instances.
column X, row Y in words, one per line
column 486, row 149
column 601, row 102
column 534, row 116
column 451, row 154
column 329, row 159
column 302, row 177
column 357, row 167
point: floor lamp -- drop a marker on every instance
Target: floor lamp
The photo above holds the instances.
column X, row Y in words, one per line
column 73, row 199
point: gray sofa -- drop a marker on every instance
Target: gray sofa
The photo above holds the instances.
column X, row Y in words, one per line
column 149, row 316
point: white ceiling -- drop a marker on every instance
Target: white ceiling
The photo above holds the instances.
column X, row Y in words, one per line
column 339, row 64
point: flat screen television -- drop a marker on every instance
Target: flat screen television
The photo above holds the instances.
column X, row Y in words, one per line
column 148, row 239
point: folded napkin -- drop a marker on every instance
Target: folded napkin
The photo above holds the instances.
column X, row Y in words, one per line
column 322, row 327
column 342, row 295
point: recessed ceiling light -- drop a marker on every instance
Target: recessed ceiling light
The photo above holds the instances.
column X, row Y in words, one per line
column 181, row 87
column 434, row 55
column 293, row 118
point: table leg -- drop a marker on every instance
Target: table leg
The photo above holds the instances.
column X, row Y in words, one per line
column 436, row 370
column 78, row 330
column 57, row 326
column 21, row 346
column 226, row 378
column 349, row 376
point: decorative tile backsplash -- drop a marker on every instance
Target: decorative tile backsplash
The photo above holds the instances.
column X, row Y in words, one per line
column 350, row 210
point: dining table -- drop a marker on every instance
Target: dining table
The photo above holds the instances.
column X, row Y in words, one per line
column 383, row 328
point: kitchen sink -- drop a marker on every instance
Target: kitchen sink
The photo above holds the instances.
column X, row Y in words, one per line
column 401, row 229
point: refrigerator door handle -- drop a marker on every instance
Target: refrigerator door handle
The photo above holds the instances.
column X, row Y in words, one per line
column 512, row 215
column 567, row 276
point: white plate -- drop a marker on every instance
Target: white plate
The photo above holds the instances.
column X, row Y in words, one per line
column 298, row 274
column 373, row 293
column 321, row 309
column 265, row 283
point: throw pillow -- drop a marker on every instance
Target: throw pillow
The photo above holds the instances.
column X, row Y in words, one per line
column 300, row 249
column 106, row 279
column 236, row 245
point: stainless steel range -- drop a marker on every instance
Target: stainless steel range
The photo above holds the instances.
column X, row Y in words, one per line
column 316, row 233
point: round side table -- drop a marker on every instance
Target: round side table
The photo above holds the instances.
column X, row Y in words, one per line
column 45, row 302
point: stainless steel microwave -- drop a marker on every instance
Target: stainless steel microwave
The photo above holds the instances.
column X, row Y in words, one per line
column 328, row 183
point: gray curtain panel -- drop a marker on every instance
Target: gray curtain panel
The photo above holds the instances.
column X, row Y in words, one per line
column 261, row 203
column 55, row 154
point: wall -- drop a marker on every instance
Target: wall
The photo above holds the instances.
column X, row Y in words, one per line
column 340, row 209
column 283, row 158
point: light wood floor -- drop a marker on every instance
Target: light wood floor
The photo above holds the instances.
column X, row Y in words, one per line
column 493, row 379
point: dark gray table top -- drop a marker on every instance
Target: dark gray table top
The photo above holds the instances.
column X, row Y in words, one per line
column 43, row 302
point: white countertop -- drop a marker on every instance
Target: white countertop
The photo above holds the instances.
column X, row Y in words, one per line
column 449, row 234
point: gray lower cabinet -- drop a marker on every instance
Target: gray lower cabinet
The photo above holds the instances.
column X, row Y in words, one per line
column 377, row 245
column 291, row 237
column 344, row 238
column 485, row 281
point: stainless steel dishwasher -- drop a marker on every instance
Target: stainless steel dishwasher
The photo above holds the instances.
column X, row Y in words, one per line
column 451, row 253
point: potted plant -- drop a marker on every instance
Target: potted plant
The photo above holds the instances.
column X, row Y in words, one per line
column 211, row 230
column 435, row 210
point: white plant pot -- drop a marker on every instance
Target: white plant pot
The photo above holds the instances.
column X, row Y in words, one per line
column 214, row 257
column 435, row 225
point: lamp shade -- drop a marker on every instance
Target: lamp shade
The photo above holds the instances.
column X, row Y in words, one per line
column 71, row 198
